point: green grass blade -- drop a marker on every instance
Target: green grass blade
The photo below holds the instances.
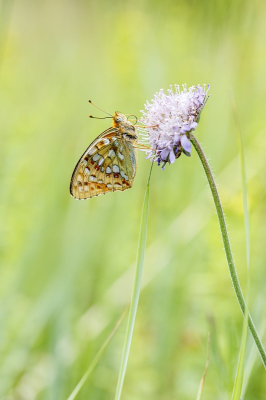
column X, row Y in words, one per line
column 136, row 290
column 243, row 184
column 201, row 386
column 97, row 357
column 241, row 360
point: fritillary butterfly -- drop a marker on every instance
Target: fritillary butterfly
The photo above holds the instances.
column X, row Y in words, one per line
column 109, row 163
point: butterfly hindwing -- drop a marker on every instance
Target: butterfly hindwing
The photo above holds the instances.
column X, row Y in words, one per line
column 118, row 171
column 108, row 164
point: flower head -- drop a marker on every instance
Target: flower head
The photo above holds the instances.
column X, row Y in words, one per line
column 170, row 118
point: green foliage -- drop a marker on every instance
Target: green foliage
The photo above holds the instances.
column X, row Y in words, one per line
column 67, row 266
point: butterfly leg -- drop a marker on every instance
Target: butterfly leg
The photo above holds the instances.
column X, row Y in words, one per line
column 141, row 146
column 145, row 127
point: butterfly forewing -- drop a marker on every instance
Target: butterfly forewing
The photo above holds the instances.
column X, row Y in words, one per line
column 108, row 164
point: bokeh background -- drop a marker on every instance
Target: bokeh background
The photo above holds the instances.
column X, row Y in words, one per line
column 67, row 266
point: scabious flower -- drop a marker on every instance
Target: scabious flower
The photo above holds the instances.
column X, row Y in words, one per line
column 169, row 119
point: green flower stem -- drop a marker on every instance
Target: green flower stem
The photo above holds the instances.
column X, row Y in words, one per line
column 227, row 246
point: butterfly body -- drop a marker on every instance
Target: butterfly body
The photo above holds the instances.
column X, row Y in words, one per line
column 109, row 163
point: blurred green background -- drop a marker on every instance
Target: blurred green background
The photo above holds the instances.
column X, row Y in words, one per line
column 67, row 266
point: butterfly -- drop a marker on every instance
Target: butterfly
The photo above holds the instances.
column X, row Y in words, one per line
column 109, row 163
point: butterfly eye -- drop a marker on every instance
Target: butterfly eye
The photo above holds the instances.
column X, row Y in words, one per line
column 118, row 119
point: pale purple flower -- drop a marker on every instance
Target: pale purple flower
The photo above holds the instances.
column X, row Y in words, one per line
column 169, row 119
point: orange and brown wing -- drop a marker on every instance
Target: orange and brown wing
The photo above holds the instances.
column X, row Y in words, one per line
column 106, row 166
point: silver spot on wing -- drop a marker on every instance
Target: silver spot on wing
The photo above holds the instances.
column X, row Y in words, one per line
column 92, row 151
column 96, row 157
column 111, row 153
column 101, row 161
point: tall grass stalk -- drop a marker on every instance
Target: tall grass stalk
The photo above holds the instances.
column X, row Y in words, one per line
column 227, row 246
column 238, row 384
column 201, row 386
column 136, row 290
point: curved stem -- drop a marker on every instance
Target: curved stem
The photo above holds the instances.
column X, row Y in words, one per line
column 227, row 246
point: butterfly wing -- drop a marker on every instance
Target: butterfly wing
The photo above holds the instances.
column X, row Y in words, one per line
column 108, row 164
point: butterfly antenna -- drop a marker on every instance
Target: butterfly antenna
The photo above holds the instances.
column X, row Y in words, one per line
column 98, row 109
column 98, row 117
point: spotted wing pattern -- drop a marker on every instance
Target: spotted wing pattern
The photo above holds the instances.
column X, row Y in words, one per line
column 108, row 164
